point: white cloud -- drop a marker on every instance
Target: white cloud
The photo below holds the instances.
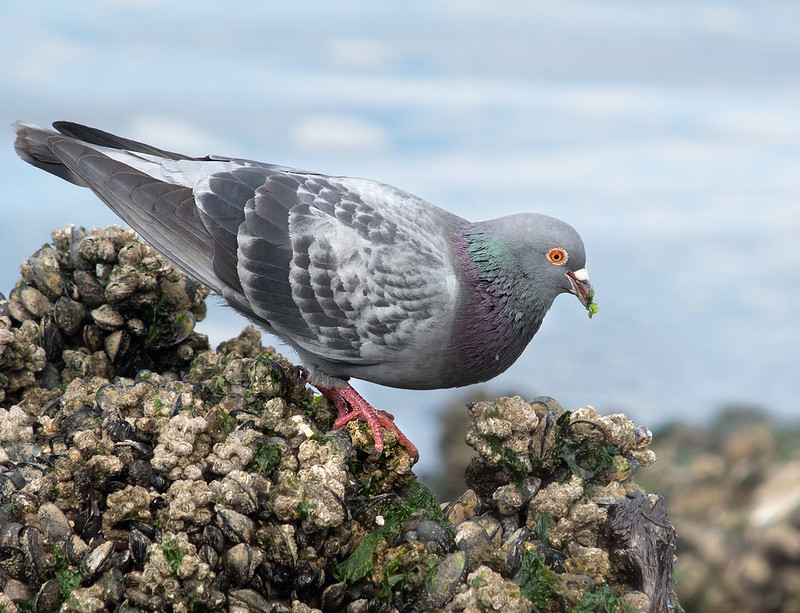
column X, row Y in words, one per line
column 720, row 19
column 41, row 56
column 173, row 134
column 338, row 133
column 359, row 53
column 787, row 176
column 772, row 123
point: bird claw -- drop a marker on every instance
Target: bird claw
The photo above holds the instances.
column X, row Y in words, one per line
column 350, row 406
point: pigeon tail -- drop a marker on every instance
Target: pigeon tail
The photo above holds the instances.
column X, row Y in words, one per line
column 350, row 405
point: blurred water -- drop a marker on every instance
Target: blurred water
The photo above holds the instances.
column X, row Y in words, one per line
column 668, row 134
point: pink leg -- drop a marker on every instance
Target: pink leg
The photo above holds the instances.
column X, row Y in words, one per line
column 351, row 405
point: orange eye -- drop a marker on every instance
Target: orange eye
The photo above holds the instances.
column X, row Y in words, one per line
column 557, row 256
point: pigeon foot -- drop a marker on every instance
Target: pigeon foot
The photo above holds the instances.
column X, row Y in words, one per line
column 350, row 405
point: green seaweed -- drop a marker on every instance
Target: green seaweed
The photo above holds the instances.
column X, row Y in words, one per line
column 267, row 459
column 543, row 527
column 226, row 422
column 26, row 606
column 507, row 459
column 535, row 580
column 369, row 488
column 603, row 459
column 478, row 580
column 395, row 514
column 591, row 305
column 359, row 563
column 604, row 600
column 422, row 497
column 398, row 576
column 172, row 553
column 393, row 577
column 303, row 507
column 573, row 452
column 68, row 579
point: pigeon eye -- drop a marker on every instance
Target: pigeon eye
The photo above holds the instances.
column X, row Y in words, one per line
column 557, row 256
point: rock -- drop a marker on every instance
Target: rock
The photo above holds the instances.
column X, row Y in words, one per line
column 488, row 591
column 448, row 577
column 145, row 471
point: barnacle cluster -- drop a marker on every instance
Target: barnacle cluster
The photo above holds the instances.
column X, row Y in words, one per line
column 96, row 303
column 142, row 471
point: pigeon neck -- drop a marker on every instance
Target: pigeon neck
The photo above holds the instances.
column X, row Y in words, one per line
column 500, row 311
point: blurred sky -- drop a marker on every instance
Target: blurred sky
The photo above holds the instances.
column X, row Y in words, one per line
column 667, row 133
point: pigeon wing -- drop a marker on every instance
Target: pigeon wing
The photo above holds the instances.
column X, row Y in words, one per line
column 348, row 270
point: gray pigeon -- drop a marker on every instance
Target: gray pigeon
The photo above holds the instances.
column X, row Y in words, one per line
column 362, row 279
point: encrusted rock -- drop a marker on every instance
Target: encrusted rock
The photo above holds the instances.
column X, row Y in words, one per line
column 174, row 575
column 557, row 498
column 142, row 471
column 486, row 590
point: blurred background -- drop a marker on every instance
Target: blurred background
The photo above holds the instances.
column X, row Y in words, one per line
column 667, row 133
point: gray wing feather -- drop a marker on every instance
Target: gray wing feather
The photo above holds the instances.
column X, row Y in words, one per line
column 257, row 249
column 365, row 276
column 324, row 266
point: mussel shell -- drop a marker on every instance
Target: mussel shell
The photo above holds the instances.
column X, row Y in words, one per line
column 69, row 315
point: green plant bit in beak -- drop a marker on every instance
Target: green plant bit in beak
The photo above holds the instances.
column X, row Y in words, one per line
column 591, row 305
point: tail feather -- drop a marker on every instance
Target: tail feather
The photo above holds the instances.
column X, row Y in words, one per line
column 164, row 214
column 32, row 145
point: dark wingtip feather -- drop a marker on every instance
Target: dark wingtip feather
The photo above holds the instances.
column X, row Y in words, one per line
column 32, row 144
column 93, row 136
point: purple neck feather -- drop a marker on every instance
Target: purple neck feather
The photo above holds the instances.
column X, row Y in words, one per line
column 489, row 333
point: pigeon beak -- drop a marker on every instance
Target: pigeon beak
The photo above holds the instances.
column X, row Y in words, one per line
column 580, row 286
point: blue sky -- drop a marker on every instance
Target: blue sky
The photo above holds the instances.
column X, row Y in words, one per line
column 668, row 134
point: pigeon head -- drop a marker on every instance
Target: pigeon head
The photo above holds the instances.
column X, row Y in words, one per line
column 546, row 256
column 552, row 254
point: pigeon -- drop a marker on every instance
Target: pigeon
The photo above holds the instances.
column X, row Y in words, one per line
column 362, row 279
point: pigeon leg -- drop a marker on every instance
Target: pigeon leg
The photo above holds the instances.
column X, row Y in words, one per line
column 351, row 405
